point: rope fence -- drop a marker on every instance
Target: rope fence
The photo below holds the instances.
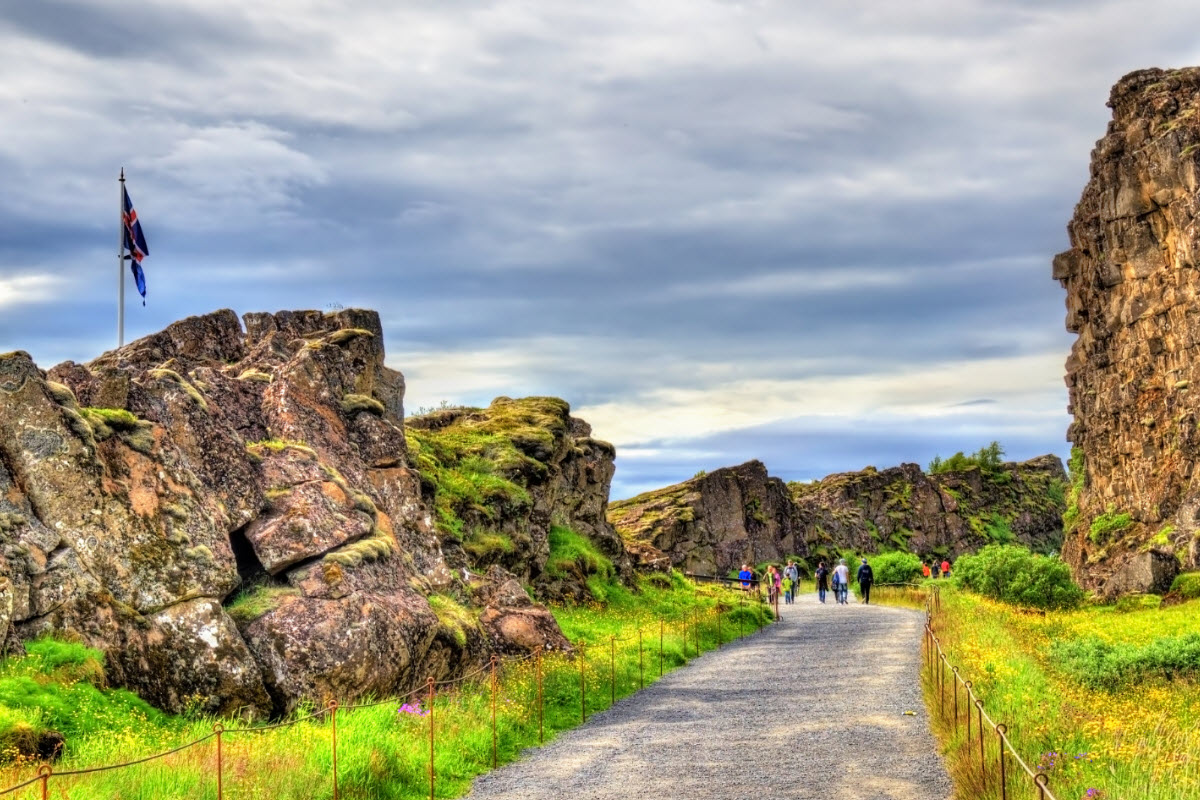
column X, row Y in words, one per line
column 691, row 634
column 993, row 758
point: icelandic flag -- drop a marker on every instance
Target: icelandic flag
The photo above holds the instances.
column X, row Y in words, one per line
column 135, row 243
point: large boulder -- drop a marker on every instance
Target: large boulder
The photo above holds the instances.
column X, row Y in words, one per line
column 233, row 517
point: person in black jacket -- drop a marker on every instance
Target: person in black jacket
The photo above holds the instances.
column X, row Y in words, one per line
column 866, row 576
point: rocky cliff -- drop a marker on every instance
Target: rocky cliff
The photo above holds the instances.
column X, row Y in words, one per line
column 1132, row 284
column 716, row 521
column 235, row 516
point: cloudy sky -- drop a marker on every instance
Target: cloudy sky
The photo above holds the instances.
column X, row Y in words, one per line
column 818, row 234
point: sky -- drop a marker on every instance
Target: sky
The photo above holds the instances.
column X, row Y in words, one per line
column 816, row 234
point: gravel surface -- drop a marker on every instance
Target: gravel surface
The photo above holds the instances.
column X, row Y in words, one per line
column 812, row 707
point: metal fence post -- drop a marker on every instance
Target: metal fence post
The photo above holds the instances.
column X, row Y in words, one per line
column 432, row 774
column 333, row 707
column 582, row 683
column 44, row 772
column 218, row 729
column 660, row 647
column 495, row 757
column 612, row 668
column 641, row 662
column 720, row 638
column 955, row 682
column 1041, row 779
column 541, row 702
column 982, row 763
column 1000, row 729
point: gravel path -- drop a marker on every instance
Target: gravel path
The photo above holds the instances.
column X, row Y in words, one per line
column 812, row 707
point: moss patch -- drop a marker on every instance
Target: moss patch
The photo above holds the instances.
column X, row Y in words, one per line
column 354, row 403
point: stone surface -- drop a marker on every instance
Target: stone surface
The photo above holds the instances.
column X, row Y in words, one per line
column 233, row 517
column 1132, row 284
column 714, row 522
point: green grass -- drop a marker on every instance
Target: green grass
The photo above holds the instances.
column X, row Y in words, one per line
column 1105, row 526
column 1101, row 681
column 252, row 602
column 572, row 554
column 383, row 754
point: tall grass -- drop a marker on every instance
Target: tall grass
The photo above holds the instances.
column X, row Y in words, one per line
column 383, row 753
column 1138, row 739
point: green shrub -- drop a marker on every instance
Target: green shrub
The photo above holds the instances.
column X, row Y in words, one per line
column 987, row 459
column 1098, row 664
column 1187, row 584
column 1107, row 524
column 895, row 567
column 1014, row 575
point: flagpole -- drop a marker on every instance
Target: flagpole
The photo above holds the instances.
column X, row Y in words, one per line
column 121, row 267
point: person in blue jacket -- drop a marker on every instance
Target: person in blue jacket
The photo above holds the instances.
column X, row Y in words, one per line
column 866, row 576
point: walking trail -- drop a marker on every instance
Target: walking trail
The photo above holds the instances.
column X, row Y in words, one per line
column 811, row 707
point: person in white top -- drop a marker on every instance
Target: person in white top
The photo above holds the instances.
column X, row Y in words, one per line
column 841, row 581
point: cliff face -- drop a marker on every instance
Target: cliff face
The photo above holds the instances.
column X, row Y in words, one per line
column 237, row 517
column 713, row 523
column 1132, row 283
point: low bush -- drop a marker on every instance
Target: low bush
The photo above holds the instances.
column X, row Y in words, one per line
column 1098, row 664
column 895, row 567
column 1014, row 575
column 1187, row 585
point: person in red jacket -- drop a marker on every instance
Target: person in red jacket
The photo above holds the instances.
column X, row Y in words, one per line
column 945, row 568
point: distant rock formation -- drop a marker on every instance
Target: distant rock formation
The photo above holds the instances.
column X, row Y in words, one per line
column 714, row 522
column 1132, row 286
column 237, row 520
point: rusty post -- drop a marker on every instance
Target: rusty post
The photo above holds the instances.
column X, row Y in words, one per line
column 954, row 680
column 660, row 648
column 495, row 757
column 1000, row 729
column 970, row 697
column 541, row 706
column 333, row 707
column 44, row 772
column 982, row 763
column 582, row 683
column 942, row 684
column 612, row 668
column 432, row 774
column 720, row 638
column 742, row 619
column 1041, row 779
column 218, row 729
column 641, row 662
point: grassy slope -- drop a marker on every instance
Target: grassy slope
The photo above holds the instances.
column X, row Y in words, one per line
column 381, row 753
column 1140, row 740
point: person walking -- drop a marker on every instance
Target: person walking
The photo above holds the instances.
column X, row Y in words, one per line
column 745, row 576
column 841, row 582
column 778, row 580
column 925, row 568
column 866, row 576
column 792, row 572
column 945, row 568
column 771, row 580
column 822, row 580
column 936, row 570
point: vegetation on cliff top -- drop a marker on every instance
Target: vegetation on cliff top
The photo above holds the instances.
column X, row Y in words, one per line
column 478, row 462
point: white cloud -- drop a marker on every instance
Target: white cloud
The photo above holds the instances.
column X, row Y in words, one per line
column 29, row 289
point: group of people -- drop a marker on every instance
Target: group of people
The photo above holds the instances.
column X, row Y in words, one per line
column 936, row 570
column 840, row 576
column 778, row 584
column 786, row 583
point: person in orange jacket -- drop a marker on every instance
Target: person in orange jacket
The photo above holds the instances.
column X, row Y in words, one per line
column 925, row 569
